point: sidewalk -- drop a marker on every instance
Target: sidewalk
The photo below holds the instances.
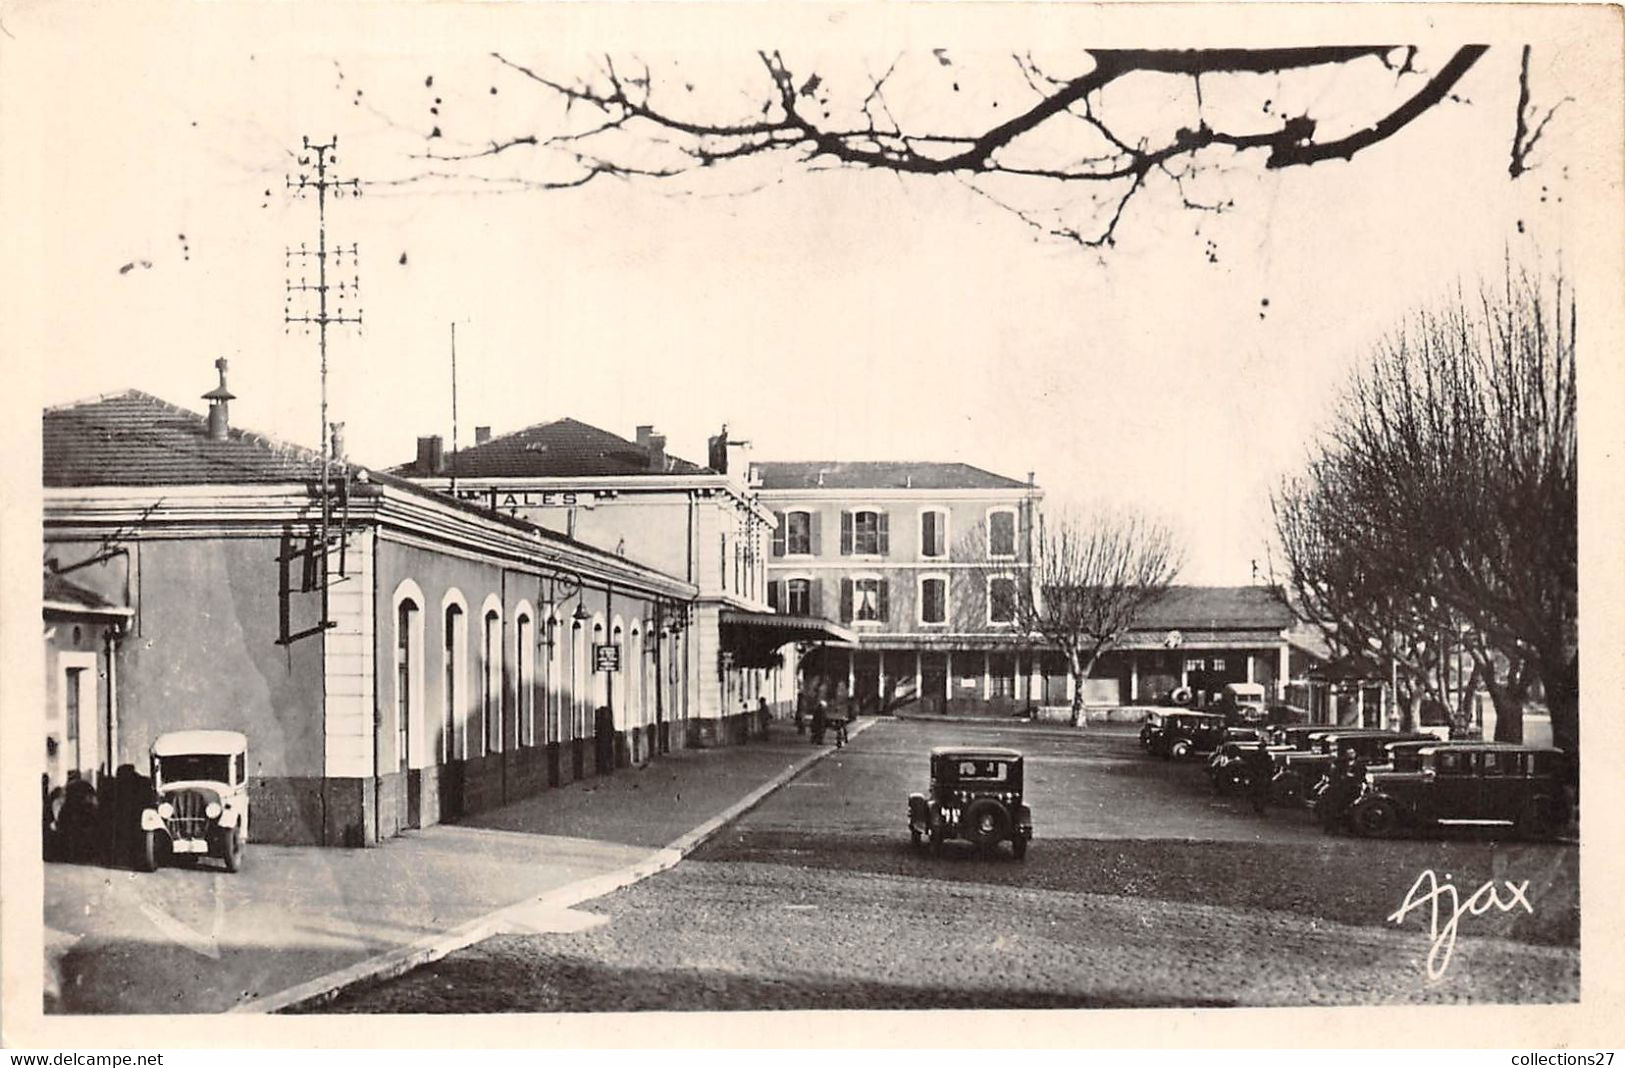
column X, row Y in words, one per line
column 298, row 921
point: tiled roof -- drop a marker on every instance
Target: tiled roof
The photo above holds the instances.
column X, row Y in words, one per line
column 566, row 448
column 136, row 439
column 878, row 474
column 59, row 590
column 1217, row 608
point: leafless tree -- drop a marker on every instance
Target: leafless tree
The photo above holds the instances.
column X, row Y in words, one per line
column 1446, row 491
column 1091, row 577
column 1065, row 143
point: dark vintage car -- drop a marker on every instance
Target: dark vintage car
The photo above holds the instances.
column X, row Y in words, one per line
column 1467, row 784
column 1370, row 750
column 1297, row 772
column 1186, row 734
column 1242, row 703
column 1150, row 728
column 975, row 795
column 1296, row 736
column 1230, row 766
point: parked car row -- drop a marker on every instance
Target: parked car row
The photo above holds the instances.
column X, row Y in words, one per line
column 1376, row 782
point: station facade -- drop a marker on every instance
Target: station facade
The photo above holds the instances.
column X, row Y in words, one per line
column 429, row 659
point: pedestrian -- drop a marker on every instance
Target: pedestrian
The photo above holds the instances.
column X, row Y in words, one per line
column 763, row 713
column 1260, row 772
column 801, row 712
column 820, row 719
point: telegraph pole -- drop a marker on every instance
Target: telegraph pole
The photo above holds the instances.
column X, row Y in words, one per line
column 316, row 162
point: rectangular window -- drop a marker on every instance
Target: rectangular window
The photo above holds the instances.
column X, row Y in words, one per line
column 70, row 683
column 933, row 600
column 866, row 533
column 798, row 534
column 1001, row 675
column 1001, row 534
column 798, row 597
column 1001, row 600
column 933, row 534
column 868, row 600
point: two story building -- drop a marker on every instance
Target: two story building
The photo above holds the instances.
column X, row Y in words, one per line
column 920, row 561
column 700, row 524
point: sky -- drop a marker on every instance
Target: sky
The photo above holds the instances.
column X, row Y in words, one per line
column 835, row 314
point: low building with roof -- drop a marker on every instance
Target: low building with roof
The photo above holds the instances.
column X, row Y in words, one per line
column 429, row 658
column 701, row 524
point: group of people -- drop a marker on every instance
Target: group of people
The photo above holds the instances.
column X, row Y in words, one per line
column 1343, row 785
column 814, row 706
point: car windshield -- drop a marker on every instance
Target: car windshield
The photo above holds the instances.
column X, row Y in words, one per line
column 211, row 767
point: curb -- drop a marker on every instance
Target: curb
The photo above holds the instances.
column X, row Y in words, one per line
column 397, row 962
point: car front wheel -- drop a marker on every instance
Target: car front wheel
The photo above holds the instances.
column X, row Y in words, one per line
column 1376, row 818
column 1179, row 750
column 147, row 856
column 234, row 850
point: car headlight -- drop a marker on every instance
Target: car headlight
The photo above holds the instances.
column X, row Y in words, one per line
column 212, row 810
column 166, row 810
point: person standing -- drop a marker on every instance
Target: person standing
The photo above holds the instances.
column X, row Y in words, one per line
column 1260, row 773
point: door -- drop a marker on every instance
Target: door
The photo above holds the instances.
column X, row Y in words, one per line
column 1456, row 788
column 76, row 724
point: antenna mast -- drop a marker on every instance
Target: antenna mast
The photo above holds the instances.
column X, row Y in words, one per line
column 454, row 408
column 316, row 162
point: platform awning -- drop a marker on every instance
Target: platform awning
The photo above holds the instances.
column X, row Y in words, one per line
column 754, row 637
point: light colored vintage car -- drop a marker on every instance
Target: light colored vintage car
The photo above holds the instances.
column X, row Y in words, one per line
column 200, row 808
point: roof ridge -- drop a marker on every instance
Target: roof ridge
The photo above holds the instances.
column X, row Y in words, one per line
column 513, row 433
column 101, row 398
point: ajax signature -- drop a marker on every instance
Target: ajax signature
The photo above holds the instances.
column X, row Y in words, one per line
column 1446, row 908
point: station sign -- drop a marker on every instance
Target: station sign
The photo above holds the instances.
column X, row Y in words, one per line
column 606, row 657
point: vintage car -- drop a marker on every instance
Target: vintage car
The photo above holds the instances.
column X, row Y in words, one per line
column 1368, row 749
column 200, row 799
column 1186, row 734
column 1297, row 772
column 1296, row 736
column 1150, row 728
column 1472, row 784
column 976, row 795
column 1241, row 703
column 1230, row 767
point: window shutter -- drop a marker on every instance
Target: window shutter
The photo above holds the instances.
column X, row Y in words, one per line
column 778, row 534
column 881, row 600
column 813, row 540
column 928, row 533
column 846, row 533
column 884, row 539
column 815, row 598
column 1024, row 519
column 846, row 600
column 773, row 600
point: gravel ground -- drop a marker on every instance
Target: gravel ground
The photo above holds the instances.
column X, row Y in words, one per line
column 760, row 936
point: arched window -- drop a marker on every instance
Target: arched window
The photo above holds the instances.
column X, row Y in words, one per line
column 578, row 675
column 525, row 647
column 405, row 622
column 455, row 641
column 491, row 683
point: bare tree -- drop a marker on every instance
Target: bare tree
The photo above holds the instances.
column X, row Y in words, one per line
column 1065, row 143
column 1447, row 491
column 1091, row 576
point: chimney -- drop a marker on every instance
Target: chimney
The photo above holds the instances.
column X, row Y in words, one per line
column 657, row 452
column 1032, row 477
column 337, row 437
column 717, row 451
column 218, row 398
column 645, row 432
column 431, row 456
column 482, row 434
